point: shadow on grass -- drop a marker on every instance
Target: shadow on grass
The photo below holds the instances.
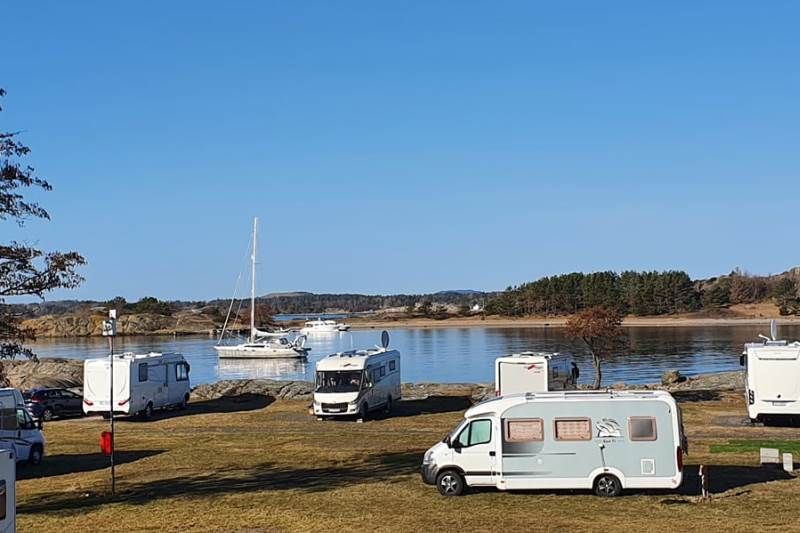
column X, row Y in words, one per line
column 226, row 404
column 726, row 477
column 427, row 406
column 58, row 465
column 696, row 395
column 383, row 468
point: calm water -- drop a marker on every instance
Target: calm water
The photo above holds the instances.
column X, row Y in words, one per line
column 456, row 354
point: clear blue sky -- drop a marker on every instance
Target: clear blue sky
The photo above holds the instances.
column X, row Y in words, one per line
column 406, row 146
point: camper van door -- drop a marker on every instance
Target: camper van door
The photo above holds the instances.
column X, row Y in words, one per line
column 474, row 450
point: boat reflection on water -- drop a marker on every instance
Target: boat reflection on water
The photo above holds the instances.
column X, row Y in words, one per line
column 283, row 369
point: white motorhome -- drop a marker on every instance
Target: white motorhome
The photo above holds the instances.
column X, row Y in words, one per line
column 8, row 491
column 601, row 441
column 142, row 383
column 533, row 372
column 18, row 430
column 357, row 382
column 772, row 378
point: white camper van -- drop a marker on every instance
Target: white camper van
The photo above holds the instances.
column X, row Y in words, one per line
column 18, row 430
column 533, row 372
column 772, row 378
column 8, row 492
column 357, row 382
column 603, row 441
column 142, row 383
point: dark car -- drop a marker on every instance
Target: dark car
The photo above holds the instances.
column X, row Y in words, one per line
column 46, row 404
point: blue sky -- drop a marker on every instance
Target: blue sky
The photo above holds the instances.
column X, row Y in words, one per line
column 405, row 146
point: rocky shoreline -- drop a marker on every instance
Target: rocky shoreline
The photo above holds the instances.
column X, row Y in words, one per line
column 69, row 373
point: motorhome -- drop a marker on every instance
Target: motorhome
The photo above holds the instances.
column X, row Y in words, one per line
column 142, row 383
column 8, row 492
column 604, row 441
column 18, row 430
column 356, row 382
column 533, row 372
column 772, row 378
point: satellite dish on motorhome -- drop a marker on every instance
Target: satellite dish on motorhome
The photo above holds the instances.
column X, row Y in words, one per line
column 773, row 330
column 385, row 339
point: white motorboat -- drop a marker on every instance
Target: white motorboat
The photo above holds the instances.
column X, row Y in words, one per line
column 260, row 344
column 323, row 326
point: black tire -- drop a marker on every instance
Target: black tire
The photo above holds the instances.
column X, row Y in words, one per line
column 363, row 412
column 147, row 413
column 607, row 486
column 450, row 483
column 184, row 403
column 36, row 455
column 105, row 416
column 389, row 404
column 47, row 414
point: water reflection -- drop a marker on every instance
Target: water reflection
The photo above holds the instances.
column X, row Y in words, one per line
column 263, row 368
column 457, row 354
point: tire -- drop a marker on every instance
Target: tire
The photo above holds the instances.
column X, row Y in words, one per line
column 450, row 483
column 147, row 413
column 607, row 486
column 363, row 412
column 105, row 416
column 36, row 455
column 184, row 403
column 388, row 404
column 47, row 414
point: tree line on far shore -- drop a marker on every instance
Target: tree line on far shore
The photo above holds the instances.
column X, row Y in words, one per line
column 643, row 293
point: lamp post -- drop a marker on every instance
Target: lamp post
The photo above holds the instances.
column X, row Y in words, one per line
column 110, row 330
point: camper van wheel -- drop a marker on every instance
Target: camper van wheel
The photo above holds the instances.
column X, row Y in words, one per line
column 184, row 403
column 35, row 457
column 450, row 483
column 147, row 414
column 607, row 486
column 362, row 412
column 389, row 404
column 47, row 415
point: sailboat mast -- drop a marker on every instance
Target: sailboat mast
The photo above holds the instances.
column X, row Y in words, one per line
column 253, row 283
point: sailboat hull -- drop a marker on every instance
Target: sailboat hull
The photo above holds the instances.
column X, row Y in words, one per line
column 258, row 352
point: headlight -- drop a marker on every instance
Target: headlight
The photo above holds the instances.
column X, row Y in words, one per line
column 428, row 457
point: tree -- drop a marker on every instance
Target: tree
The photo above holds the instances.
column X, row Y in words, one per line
column 425, row 308
column 464, row 309
column 24, row 269
column 600, row 329
column 410, row 308
column 152, row 305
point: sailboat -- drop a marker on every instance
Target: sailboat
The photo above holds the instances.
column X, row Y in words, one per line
column 260, row 344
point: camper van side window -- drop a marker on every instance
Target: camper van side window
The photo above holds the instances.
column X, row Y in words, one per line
column 383, row 371
column 142, row 372
column 3, row 499
column 642, row 428
column 392, row 366
column 181, row 372
column 573, row 429
column 480, row 432
column 524, row 430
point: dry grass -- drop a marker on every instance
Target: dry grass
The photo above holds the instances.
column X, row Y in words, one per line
column 270, row 466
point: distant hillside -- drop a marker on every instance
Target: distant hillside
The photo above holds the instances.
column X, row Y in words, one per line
column 648, row 293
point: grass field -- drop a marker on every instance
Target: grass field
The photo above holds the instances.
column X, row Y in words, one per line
column 255, row 465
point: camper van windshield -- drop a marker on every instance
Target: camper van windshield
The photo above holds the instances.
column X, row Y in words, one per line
column 335, row 381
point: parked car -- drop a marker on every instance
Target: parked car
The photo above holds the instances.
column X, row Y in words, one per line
column 46, row 404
